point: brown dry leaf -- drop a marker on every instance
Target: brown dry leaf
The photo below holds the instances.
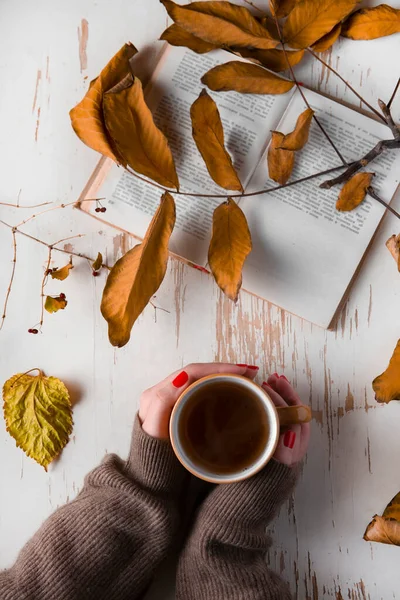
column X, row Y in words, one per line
column 393, row 245
column 372, row 23
column 280, row 162
column 274, row 60
column 221, row 24
column 87, row 116
column 245, row 78
column 54, row 304
column 387, row 385
column 386, row 529
column 62, row 273
column 310, row 20
column 209, row 137
column 229, row 247
column 328, row 40
column 177, row 36
column 98, row 263
column 136, row 276
column 354, row 191
column 281, row 8
column 131, row 126
column 298, row 138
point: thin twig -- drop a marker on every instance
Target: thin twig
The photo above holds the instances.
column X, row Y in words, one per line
column 44, row 280
column 392, row 97
column 389, row 119
column 71, row 237
column 19, row 206
column 56, row 208
column 374, row 195
column 14, row 263
column 328, row 66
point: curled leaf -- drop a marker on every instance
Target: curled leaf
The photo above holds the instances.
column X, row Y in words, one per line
column 274, row 60
column 54, row 304
column 245, row 78
column 98, row 263
column 177, row 36
column 393, row 245
column 87, row 116
column 386, row 529
column 131, row 126
column 38, row 415
column 297, row 139
column 280, row 162
column 387, row 385
column 354, row 191
column 136, row 276
column 310, row 20
column 229, row 247
column 62, row 273
column 327, row 40
column 220, row 24
column 281, row 8
column 209, row 137
column 372, row 23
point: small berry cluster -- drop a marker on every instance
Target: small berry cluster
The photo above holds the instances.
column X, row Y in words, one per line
column 100, row 209
column 33, row 330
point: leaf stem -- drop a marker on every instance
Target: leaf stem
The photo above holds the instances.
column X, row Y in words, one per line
column 392, row 97
column 44, row 281
column 14, row 264
column 26, row 373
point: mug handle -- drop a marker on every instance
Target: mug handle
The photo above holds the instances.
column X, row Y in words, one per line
column 293, row 415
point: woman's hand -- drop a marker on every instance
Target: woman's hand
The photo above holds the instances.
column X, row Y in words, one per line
column 157, row 402
column 293, row 443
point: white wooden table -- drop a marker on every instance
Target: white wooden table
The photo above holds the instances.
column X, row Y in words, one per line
column 49, row 51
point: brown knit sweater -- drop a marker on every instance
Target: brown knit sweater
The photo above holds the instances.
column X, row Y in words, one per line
column 108, row 542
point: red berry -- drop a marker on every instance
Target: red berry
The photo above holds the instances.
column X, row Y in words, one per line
column 29, row 330
column 95, row 273
column 97, row 209
column 103, row 209
column 62, row 296
column 33, row 331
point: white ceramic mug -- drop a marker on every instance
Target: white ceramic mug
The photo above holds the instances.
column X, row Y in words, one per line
column 276, row 417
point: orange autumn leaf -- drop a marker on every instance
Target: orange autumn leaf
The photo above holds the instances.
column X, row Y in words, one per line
column 274, row 59
column 297, row 139
column 246, row 78
column 354, row 191
column 393, row 245
column 131, row 126
column 281, row 8
column 327, row 40
column 63, row 272
column 372, row 23
column 387, row 385
column 177, row 36
column 98, row 263
column 208, row 134
column 54, row 304
column 386, row 529
column 229, row 247
column 87, row 116
column 280, row 162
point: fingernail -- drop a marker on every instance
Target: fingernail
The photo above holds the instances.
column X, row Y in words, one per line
column 265, row 384
column 180, row 379
column 275, row 375
column 289, row 439
column 285, row 378
column 254, row 367
column 240, row 365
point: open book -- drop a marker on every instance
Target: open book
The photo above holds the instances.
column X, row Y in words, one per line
column 305, row 253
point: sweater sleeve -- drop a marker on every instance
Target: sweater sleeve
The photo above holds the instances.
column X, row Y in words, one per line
column 107, row 543
column 224, row 556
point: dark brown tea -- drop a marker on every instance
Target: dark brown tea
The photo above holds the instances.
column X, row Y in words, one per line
column 223, row 427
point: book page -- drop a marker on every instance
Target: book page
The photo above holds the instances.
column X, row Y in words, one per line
column 247, row 120
column 305, row 253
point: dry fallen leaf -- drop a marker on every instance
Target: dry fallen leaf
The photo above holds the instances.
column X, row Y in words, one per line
column 310, row 20
column 131, row 126
column 229, row 247
column 386, row 529
column 354, row 191
column 87, row 116
column 372, row 23
column 62, row 273
column 298, row 138
column 221, row 24
column 327, row 40
column 246, row 78
column 393, row 245
column 209, row 137
column 281, row 8
column 274, row 60
column 136, row 276
column 177, row 36
column 280, row 162
column 98, row 263
column 38, row 415
column 54, row 304
column 387, row 385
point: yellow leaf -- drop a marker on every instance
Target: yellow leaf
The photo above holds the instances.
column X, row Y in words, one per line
column 245, row 78
column 280, row 162
column 281, row 8
column 354, row 191
column 38, row 415
column 221, row 24
column 393, row 245
column 229, row 247
column 387, row 385
column 298, row 138
column 273, row 59
column 62, row 273
column 372, row 23
column 136, row 276
column 131, row 126
column 53, row 305
column 327, row 40
column 87, row 116
column 98, row 263
column 386, row 529
column 209, row 137
column 310, row 20
column 177, row 36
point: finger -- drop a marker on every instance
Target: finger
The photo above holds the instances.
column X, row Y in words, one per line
column 275, row 397
column 251, row 371
column 272, row 379
column 287, row 392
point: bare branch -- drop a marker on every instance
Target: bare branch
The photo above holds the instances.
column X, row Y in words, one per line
column 44, row 281
column 14, row 264
column 19, row 206
column 55, row 208
column 389, row 119
column 376, row 197
column 392, row 97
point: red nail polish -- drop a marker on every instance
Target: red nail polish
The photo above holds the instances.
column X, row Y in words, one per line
column 240, row 365
column 265, row 384
column 285, row 378
column 254, row 367
column 289, row 439
column 275, row 375
column 180, row 379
